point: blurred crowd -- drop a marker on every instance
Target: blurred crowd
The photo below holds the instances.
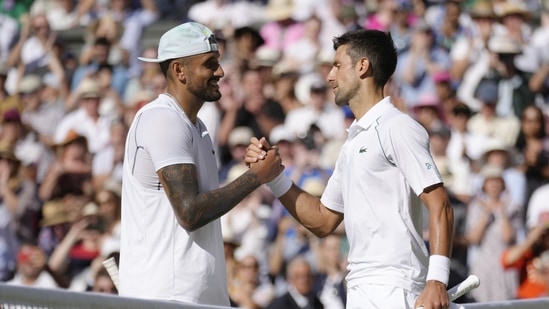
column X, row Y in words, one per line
column 474, row 73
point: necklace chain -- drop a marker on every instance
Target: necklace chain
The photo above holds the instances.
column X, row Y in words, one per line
column 195, row 124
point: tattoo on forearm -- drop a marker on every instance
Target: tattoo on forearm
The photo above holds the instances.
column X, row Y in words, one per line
column 195, row 209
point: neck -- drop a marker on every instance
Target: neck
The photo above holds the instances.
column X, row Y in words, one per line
column 189, row 105
column 364, row 101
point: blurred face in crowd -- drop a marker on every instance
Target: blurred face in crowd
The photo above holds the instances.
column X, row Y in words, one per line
column 31, row 261
column 40, row 26
column 300, row 276
column 532, row 121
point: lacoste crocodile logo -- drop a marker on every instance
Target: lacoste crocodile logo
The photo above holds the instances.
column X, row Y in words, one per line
column 362, row 149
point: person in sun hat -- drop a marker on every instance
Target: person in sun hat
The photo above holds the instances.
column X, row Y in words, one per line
column 86, row 119
column 281, row 29
column 171, row 242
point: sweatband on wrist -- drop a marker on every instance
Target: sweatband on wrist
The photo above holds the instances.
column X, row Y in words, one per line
column 280, row 185
column 439, row 268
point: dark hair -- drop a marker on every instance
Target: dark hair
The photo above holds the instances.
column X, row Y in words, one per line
column 376, row 46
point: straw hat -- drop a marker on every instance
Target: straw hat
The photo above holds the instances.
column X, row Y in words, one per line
column 280, row 9
column 88, row 88
column 482, row 9
column 54, row 213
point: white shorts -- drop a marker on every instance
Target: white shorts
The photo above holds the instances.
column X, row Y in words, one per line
column 381, row 296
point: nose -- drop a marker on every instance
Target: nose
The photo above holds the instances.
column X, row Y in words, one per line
column 219, row 72
column 331, row 76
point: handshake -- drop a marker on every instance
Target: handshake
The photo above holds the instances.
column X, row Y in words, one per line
column 265, row 162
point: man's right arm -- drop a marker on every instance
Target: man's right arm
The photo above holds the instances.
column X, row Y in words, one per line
column 195, row 209
column 307, row 209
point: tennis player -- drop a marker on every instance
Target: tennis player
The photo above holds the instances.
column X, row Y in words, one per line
column 171, row 242
column 383, row 173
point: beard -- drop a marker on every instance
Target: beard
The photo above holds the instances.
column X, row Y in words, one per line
column 343, row 96
column 209, row 93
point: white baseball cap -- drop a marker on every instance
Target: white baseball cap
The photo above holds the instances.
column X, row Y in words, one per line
column 184, row 40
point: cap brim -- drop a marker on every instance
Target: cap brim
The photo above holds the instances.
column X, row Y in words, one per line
column 154, row 60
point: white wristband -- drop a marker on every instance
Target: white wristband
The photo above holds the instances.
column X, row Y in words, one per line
column 439, row 268
column 280, row 185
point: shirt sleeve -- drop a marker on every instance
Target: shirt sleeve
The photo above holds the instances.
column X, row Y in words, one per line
column 166, row 137
column 409, row 148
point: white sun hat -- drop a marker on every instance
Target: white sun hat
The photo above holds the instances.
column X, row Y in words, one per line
column 184, row 40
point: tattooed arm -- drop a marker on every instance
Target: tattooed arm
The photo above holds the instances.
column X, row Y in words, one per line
column 195, row 209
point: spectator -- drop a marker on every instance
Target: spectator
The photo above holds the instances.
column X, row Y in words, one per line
column 99, row 56
column 144, row 81
column 247, row 223
column 239, row 139
column 532, row 145
column 539, row 82
column 492, row 224
column 470, row 55
column 401, row 27
column 105, row 27
column 107, row 163
column 523, row 256
column 247, row 290
column 31, row 268
column 108, row 200
column 487, row 122
column 316, row 111
column 36, row 52
column 514, row 24
column 73, row 256
column 54, row 225
column 62, row 14
column 416, row 66
column 281, row 29
column 428, row 111
column 464, row 148
column 18, row 195
column 42, row 106
column 284, row 92
column 329, row 279
column 225, row 14
column 513, row 94
column 302, row 53
column 86, row 120
column 70, row 173
column 299, row 292
column 102, row 283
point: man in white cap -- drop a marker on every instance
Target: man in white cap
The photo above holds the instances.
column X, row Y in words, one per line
column 171, row 240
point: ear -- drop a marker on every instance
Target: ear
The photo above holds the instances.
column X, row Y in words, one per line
column 363, row 67
column 178, row 70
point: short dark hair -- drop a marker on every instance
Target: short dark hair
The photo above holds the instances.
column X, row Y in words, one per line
column 376, row 46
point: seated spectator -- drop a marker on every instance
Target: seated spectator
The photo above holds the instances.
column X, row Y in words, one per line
column 86, row 119
column 300, row 287
column 73, row 257
column 55, row 224
column 71, row 171
column 247, row 290
column 102, row 283
column 31, row 268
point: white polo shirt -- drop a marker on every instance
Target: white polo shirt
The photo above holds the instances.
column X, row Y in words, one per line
column 158, row 258
column 382, row 168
